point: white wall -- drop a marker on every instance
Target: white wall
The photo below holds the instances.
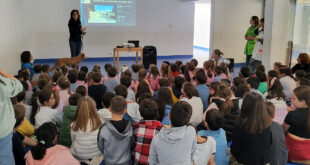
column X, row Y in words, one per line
column 276, row 32
column 231, row 19
column 11, row 35
column 166, row 24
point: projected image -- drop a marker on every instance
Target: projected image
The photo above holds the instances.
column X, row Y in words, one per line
column 108, row 12
column 102, row 14
column 85, row 1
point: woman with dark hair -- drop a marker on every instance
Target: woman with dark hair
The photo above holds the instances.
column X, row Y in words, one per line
column 258, row 48
column 297, row 127
column 164, row 102
column 76, row 31
column 252, row 137
column 303, row 63
column 47, row 151
column 250, row 36
column 26, row 59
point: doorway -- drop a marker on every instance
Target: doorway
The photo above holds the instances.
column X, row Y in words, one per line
column 202, row 28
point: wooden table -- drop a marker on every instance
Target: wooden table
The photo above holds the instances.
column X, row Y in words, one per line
column 118, row 50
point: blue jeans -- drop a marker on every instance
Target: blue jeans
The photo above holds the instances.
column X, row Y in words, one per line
column 253, row 64
column 6, row 151
column 75, row 48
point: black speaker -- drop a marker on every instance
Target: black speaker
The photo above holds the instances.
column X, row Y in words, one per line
column 230, row 63
column 149, row 56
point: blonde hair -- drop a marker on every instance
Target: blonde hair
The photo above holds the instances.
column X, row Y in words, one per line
column 86, row 111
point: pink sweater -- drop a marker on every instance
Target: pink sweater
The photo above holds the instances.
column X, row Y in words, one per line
column 154, row 82
column 57, row 155
column 64, row 96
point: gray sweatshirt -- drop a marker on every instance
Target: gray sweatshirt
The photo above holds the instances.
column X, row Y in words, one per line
column 278, row 147
column 173, row 146
column 115, row 146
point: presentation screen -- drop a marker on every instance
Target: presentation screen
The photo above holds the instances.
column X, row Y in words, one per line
column 108, row 12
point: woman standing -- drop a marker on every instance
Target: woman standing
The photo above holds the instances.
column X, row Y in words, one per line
column 9, row 87
column 258, row 48
column 250, row 36
column 76, row 31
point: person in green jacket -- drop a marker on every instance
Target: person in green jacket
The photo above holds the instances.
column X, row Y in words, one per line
column 68, row 114
column 250, row 36
column 9, row 87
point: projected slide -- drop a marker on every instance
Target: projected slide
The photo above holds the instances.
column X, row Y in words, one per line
column 108, row 12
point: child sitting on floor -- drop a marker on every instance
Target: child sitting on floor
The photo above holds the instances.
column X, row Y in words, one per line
column 175, row 145
column 145, row 130
column 112, row 81
column 104, row 113
column 115, row 136
column 47, row 151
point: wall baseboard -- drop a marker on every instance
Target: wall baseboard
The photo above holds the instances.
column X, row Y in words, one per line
column 92, row 59
column 105, row 59
column 201, row 48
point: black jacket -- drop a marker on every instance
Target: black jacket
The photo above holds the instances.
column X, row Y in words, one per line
column 75, row 30
column 305, row 68
column 252, row 149
column 229, row 119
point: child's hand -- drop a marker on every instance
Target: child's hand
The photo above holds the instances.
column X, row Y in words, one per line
column 181, row 97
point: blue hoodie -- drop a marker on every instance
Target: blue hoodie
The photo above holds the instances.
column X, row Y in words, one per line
column 173, row 146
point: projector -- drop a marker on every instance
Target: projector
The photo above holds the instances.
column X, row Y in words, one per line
column 126, row 45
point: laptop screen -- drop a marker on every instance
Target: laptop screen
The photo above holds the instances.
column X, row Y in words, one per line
column 135, row 42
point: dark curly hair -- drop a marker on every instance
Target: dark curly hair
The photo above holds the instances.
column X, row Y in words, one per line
column 25, row 57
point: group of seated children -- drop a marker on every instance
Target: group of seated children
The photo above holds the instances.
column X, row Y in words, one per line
column 174, row 114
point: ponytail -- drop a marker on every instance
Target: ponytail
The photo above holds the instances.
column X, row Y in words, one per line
column 187, row 76
column 170, row 76
column 35, row 108
column 164, row 98
column 190, row 90
column 38, row 99
column 226, row 106
column 38, row 151
column 226, row 93
column 45, row 134
column 209, row 73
